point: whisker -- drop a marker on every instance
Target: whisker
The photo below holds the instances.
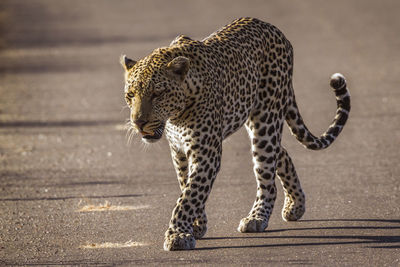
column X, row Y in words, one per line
column 130, row 138
column 145, row 146
column 130, row 132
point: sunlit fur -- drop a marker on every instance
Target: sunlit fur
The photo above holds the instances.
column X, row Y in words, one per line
column 153, row 93
column 204, row 91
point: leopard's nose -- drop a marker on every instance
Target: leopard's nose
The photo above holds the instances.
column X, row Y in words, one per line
column 140, row 123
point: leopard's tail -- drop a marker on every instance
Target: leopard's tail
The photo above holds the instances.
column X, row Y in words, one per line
column 299, row 129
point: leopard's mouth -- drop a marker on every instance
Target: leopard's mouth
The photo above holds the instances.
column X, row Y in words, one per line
column 148, row 137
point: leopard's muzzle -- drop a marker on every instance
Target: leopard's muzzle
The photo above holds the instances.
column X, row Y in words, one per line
column 153, row 135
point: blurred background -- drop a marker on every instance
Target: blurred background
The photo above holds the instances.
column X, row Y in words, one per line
column 63, row 146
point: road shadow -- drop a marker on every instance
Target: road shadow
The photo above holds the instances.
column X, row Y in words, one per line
column 354, row 220
column 72, row 197
column 373, row 241
column 63, row 123
column 43, row 67
column 89, row 183
column 16, row 14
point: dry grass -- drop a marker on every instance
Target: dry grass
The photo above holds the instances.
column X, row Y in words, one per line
column 108, row 207
column 127, row 244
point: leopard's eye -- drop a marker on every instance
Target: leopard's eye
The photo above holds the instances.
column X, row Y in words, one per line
column 128, row 98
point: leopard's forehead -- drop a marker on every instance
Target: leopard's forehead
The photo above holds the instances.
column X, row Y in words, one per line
column 147, row 71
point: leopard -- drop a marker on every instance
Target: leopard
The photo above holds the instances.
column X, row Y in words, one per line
column 198, row 93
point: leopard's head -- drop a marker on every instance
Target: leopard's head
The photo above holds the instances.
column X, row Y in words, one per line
column 154, row 91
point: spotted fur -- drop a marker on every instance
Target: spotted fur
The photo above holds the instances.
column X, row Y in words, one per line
column 200, row 92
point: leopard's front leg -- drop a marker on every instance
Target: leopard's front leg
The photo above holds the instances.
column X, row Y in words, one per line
column 188, row 216
column 180, row 162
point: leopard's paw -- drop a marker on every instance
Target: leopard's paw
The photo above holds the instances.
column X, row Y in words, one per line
column 293, row 211
column 199, row 229
column 179, row 241
column 252, row 225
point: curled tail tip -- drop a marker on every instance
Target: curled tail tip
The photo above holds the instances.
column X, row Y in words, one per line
column 338, row 81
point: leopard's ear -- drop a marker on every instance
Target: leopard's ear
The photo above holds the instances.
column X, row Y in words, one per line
column 178, row 68
column 126, row 62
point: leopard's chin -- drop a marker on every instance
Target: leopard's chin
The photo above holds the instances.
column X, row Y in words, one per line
column 156, row 136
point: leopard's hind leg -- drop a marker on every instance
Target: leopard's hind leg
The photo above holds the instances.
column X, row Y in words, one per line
column 294, row 206
column 265, row 140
